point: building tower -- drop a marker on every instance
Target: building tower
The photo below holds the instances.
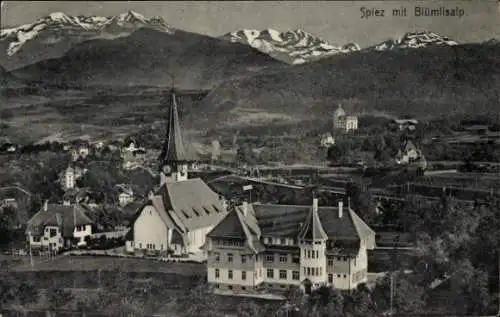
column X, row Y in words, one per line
column 173, row 158
column 70, row 178
column 338, row 117
column 312, row 240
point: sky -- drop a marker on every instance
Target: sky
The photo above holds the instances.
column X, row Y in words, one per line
column 338, row 22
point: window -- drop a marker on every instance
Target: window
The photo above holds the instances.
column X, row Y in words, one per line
column 217, row 286
column 317, row 254
column 308, row 271
column 295, row 275
column 283, row 241
column 313, row 254
column 270, row 273
column 295, row 259
column 140, row 245
column 345, row 275
column 243, row 288
column 270, row 258
column 243, row 275
column 317, row 271
column 338, row 258
column 330, row 278
column 36, row 239
column 320, row 271
column 217, row 257
column 308, row 254
column 330, row 261
column 230, row 257
column 230, row 287
column 243, row 259
column 217, row 273
column 283, row 258
column 230, row 274
column 338, row 275
column 282, row 274
column 53, row 232
column 344, row 259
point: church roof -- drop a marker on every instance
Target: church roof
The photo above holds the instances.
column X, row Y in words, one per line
column 187, row 205
column 173, row 148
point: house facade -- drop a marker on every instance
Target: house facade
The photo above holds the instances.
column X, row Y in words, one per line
column 273, row 247
column 343, row 122
column 55, row 226
column 178, row 215
column 408, row 153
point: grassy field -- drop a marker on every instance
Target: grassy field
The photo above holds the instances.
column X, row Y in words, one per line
column 94, row 263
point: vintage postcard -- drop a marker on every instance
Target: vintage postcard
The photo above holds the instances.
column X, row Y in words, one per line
column 250, row 158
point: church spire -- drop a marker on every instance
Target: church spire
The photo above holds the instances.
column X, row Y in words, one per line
column 173, row 148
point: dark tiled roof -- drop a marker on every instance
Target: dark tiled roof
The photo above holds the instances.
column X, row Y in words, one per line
column 286, row 221
column 312, row 228
column 173, row 149
column 69, row 217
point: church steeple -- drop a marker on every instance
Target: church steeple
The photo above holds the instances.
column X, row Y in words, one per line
column 173, row 159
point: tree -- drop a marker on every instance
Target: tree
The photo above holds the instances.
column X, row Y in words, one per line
column 250, row 309
column 407, row 294
column 206, row 302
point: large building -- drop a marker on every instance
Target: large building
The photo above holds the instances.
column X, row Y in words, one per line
column 343, row 122
column 178, row 215
column 272, row 247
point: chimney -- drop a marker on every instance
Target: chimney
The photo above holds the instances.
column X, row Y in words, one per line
column 244, row 208
column 46, row 205
column 315, row 204
column 341, row 207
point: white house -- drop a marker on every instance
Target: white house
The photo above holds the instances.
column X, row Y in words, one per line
column 327, row 140
column 179, row 214
column 126, row 196
column 54, row 226
column 344, row 122
column 408, row 153
column 272, row 247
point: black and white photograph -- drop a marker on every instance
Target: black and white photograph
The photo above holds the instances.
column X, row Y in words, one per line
column 250, row 158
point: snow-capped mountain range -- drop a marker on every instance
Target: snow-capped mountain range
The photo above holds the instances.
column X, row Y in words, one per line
column 58, row 27
column 414, row 40
column 294, row 47
column 53, row 35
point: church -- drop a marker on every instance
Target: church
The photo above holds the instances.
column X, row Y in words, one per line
column 178, row 215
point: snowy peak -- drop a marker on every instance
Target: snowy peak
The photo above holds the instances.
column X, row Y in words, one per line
column 415, row 40
column 294, row 47
column 59, row 26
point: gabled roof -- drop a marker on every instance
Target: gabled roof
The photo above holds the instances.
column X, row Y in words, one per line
column 186, row 206
column 408, row 146
column 312, row 228
column 66, row 217
column 173, row 148
column 287, row 221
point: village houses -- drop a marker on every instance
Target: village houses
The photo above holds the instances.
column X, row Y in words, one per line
column 57, row 226
column 178, row 215
column 264, row 246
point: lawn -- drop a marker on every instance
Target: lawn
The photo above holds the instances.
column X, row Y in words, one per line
column 94, row 263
